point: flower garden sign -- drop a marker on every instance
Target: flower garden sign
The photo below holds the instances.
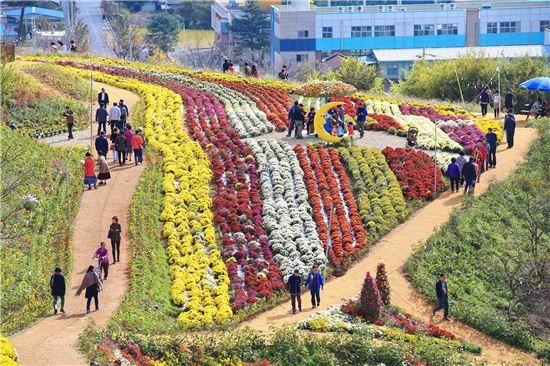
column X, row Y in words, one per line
column 319, row 123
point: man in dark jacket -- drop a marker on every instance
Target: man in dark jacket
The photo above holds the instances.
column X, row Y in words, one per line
column 469, row 173
column 101, row 119
column 508, row 100
column 298, row 116
column 102, row 144
column 510, row 127
column 484, row 99
column 290, row 118
column 453, row 172
column 315, row 283
column 103, row 97
column 361, row 114
column 442, row 293
column 294, row 286
column 492, row 141
column 57, row 285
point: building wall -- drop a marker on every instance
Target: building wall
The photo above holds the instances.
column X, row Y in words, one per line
column 529, row 32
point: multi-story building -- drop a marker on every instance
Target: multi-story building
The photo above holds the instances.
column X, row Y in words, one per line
column 303, row 33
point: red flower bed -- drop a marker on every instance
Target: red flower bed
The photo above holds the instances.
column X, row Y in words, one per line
column 236, row 200
column 327, row 184
column 350, row 104
column 428, row 112
column 384, row 122
column 415, row 172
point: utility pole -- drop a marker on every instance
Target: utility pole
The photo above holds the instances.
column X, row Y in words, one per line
column 91, row 112
column 435, row 159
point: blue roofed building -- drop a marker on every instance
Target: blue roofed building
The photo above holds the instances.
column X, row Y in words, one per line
column 302, row 33
column 7, row 34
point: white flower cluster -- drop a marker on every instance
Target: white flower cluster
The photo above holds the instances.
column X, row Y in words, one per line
column 429, row 133
column 455, row 124
column 309, row 102
column 286, row 210
column 443, row 159
column 382, row 107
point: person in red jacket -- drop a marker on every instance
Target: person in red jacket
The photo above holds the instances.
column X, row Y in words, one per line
column 89, row 171
column 481, row 157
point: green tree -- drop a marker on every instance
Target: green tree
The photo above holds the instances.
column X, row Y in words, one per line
column 195, row 14
column 163, row 31
column 356, row 73
column 250, row 30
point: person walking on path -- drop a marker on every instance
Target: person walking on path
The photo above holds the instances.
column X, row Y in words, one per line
column 492, row 141
column 114, row 234
column 294, row 286
column 102, row 255
column 291, row 118
column 361, row 114
column 453, row 172
column 69, row 116
column 120, row 146
column 124, row 113
column 92, row 284
column 129, row 134
column 114, row 117
column 137, row 146
column 310, row 120
column 510, row 127
column 102, row 144
column 496, row 104
column 101, row 119
column 57, row 285
column 484, row 99
column 315, row 283
column 442, row 293
column 104, row 172
column 299, row 119
column 460, row 161
column 509, row 100
column 113, row 138
column 102, row 97
column 480, row 154
column 469, row 174
column 89, row 171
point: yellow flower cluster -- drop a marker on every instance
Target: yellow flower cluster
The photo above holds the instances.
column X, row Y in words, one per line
column 200, row 279
column 8, row 357
column 485, row 123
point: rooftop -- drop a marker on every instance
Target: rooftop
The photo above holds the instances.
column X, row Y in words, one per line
column 450, row 53
column 34, row 11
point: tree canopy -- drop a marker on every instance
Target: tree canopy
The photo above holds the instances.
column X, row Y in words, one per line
column 251, row 29
column 163, row 31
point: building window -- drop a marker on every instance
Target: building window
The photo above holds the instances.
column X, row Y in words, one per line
column 358, row 53
column 303, row 34
column 361, row 31
column 424, row 29
column 302, row 57
column 544, row 24
column 510, row 27
column 327, row 32
column 393, row 70
column 492, row 28
column 447, row 29
column 384, row 31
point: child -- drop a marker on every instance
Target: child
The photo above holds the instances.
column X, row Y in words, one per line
column 315, row 282
column 104, row 172
column 57, row 284
column 294, row 286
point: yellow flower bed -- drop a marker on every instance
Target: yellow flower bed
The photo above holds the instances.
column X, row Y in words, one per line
column 485, row 123
column 8, row 357
column 200, row 279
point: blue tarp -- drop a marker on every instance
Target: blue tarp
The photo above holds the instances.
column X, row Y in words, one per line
column 35, row 11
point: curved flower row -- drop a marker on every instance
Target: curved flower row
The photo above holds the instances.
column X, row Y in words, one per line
column 465, row 133
column 382, row 122
column 200, row 279
column 429, row 112
column 485, row 123
column 325, row 88
column 8, row 357
column 381, row 202
column 286, row 211
column 429, row 133
column 415, row 172
column 329, row 190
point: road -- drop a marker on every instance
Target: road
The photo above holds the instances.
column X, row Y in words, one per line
column 90, row 14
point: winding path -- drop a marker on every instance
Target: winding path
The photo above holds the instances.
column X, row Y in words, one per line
column 51, row 341
column 396, row 247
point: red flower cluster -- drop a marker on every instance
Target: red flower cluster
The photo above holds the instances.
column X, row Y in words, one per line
column 370, row 300
column 428, row 112
column 415, row 172
column 384, row 122
column 274, row 102
column 382, row 283
column 328, row 186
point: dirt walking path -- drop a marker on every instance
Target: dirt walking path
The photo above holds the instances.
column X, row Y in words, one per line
column 396, row 247
column 51, row 341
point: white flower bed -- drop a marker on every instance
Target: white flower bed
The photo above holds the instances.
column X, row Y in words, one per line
column 428, row 133
column 382, row 107
column 286, row 210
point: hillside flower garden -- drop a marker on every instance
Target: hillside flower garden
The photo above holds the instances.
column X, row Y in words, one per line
column 223, row 215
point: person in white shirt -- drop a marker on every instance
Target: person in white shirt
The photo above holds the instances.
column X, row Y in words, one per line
column 114, row 114
column 61, row 47
column 496, row 104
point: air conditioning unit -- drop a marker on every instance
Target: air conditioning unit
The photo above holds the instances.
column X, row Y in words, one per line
column 391, row 8
column 402, row 9
column 359, row 9
column 349, row 9
column 381, row 8
column 442, row 6
column 340, row 9
column 452, row 6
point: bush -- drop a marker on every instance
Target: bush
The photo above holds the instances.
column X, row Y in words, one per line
column 371, row 303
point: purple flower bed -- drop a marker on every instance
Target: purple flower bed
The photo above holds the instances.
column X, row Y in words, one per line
column 428, row 112
column 466, row 135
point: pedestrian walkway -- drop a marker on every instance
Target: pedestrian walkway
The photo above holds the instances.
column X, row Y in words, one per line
column 395, row 249
column 51, row 341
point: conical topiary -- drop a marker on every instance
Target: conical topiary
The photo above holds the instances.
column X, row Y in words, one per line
column 382, row 283
column 370, row 301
